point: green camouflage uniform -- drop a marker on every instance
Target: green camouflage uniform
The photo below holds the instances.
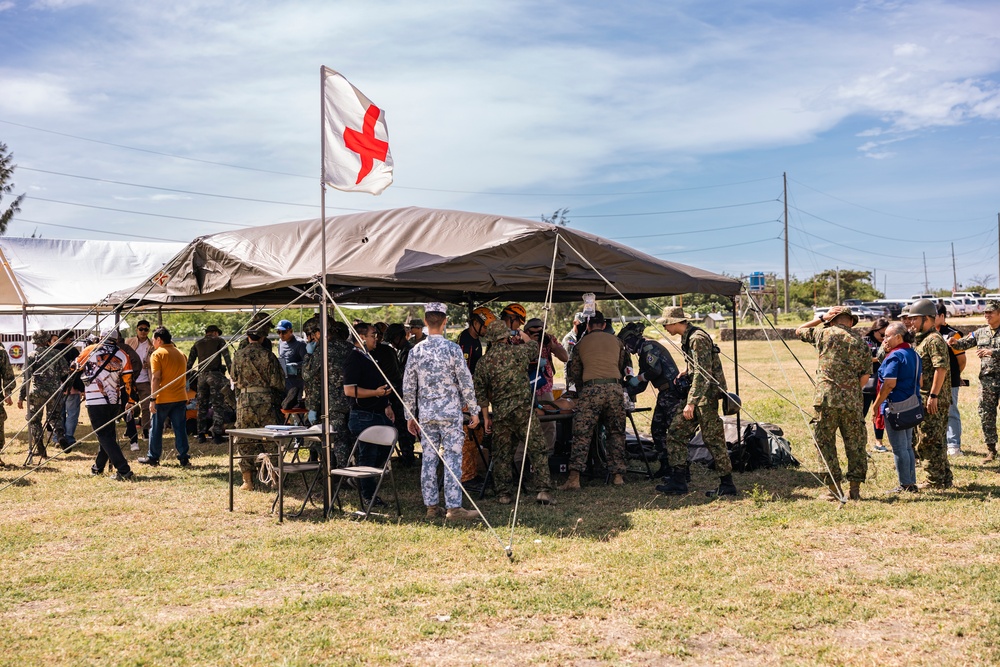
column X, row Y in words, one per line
column 312, row 375
column 501, row 380
column 212, row 357
column 930, row 442
column 6, row 389
column 44, row 374
column 708, row 382
column 260, row 386
column 989, row 379
column 843, row 358
column 595, row 404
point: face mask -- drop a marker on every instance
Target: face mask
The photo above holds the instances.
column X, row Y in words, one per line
column 311, row 346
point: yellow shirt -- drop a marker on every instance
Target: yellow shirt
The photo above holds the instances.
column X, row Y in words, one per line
column 171, row 364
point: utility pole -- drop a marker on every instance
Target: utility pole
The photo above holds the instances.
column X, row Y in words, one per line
column 954, row 274
column 784, row 179
column 838, row 286
column 927, row 283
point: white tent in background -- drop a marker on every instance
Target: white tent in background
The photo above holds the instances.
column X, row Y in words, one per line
column 52, row 283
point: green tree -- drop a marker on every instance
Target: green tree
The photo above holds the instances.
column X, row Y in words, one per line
column 6, row 187
column 559, row 217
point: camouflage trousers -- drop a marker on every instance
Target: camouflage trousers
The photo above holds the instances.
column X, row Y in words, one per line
column 509, row 436
column 667, row 403
column 253, row 410
column 989, row 396
column 930, row 444
column 210, row 396
column 706, row 417
column 3, row 429
column 340, row 438
column 851, row 424
column 441, row 440
column 54, row 418
column 599, row 403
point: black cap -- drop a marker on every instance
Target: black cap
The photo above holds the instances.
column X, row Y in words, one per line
column 211, row 328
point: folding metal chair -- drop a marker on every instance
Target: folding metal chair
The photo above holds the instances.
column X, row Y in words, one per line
column 384, row 436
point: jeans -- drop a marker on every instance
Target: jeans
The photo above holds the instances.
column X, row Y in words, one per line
column 102, row 420
column 902, row 452
column 176, row 414
column 368, row 454
column 72, row 415
column 954, row 422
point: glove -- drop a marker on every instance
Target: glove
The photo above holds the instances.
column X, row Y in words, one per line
column 311, row 346
column 633, row 381
column 313, row 417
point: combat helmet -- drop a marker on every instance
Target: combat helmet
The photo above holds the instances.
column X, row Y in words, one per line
column 631, row 335
column 923, row 307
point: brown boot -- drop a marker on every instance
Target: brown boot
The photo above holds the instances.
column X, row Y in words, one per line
column 618, row 480
column 247, row 481
column 855, row 493
column 545, row 498
column 434, row 512
column 832, row 493
column 461, row 514
column 991, row 455
column 573, row 483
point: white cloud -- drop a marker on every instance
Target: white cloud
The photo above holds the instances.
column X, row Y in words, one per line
column 5, row 5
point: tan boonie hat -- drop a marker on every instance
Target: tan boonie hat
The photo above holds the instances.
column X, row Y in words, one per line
column 673, row 315
column 837, row 311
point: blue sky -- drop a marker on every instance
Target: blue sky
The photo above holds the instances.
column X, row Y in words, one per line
column 664, row 124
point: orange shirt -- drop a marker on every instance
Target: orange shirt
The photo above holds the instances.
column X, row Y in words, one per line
column 171, row 364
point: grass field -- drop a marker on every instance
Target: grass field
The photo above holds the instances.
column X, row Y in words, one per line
column 157, row 572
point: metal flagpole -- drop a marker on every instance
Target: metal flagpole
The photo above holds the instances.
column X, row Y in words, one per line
column 324, row 330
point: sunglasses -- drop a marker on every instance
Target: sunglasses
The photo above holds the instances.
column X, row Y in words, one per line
column 143, row 329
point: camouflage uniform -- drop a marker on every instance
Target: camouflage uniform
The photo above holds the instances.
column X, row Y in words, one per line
column 930, row 437
column 6, row 389
column 211, row 381
column 44, row 372
column 502, row 382
column 438, row 383
column 259, row 383
column 708, row 382
column 599, row 400
column 658, row 367
column 989, row 379
column 843, row 358
column 312, row 375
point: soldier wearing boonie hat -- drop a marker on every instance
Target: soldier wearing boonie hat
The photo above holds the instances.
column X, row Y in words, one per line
column 986, row 340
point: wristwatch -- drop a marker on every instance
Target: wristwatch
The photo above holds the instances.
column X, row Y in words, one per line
column 932, row 395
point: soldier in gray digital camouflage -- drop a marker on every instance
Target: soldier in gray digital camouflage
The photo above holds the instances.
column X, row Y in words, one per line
column 41, row 386
column 312, row 374
column 260, row 387
column 842, row 369
column 597, row 369
column 437, row 384
column 930, row 438
column 986, row 340
column 6, row 390
column 211, row 356
column 701, row 410
column 502, row 382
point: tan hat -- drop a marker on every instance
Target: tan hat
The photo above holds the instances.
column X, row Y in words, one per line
column 673, row 315
column 837, row 311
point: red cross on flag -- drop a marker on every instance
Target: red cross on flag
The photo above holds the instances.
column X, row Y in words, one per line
column 356, row 154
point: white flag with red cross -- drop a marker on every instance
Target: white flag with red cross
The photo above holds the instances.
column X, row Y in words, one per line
column 356, row 154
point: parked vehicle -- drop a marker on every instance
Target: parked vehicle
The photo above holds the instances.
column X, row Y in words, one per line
column 956, row 307
column 865, row 313
column 971, row 295
column 918, row 297
column 851, row 302
column 895, row 307
column 974, row 306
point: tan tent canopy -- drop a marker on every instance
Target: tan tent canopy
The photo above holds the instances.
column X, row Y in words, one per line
column 417, row 254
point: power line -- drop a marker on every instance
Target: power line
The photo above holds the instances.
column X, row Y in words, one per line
column 186, row 192
column 155, row 215
column 687, row 210
column 593, row 194
column 880, row 253
column 99, row 231
column 889, row 238
column 891, row 215
column 718, row 247
column 694, row 231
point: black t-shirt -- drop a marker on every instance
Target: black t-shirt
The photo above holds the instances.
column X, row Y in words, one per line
column 361, row 371
column 472, row 349
column 948, row 332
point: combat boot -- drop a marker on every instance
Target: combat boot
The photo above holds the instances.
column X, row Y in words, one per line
column 991, row 455
column 618, row 480
column 832, row 493
column 573, row 483
column 676, row 485
column 855, row 492
column 202, row 438
column 726, row 487
column 247, row 481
